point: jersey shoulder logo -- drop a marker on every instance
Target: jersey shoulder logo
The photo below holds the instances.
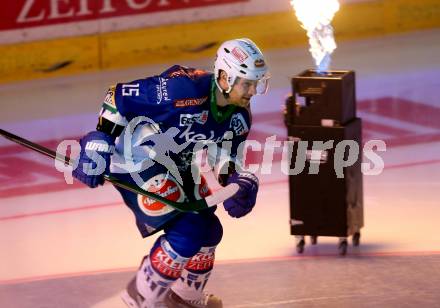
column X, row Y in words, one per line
column 183, row 71
column 109, row 100
column 238, row 124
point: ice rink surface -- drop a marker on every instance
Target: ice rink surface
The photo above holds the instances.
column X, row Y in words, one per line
column 69, row 246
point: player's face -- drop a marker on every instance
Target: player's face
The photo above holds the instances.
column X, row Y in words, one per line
column 242, row 91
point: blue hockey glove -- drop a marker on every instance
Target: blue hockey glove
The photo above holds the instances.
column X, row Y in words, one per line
column 244, row 200
column 94, row 158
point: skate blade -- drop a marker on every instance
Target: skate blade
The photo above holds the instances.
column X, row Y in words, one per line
column 128, row 300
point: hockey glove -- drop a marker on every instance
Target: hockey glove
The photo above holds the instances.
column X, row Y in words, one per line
column 94, row 158
column 244, row 200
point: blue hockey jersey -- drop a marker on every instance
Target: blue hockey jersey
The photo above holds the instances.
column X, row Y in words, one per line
column 166, row 118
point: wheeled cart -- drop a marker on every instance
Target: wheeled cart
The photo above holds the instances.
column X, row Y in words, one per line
column 326, row 197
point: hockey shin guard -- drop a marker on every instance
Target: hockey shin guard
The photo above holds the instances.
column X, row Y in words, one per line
column 196, row 274
column 158, row 271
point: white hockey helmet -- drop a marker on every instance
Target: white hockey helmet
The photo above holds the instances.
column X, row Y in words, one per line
column 241, row 58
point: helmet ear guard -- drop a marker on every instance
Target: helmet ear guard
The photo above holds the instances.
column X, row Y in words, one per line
column 229, row 79
column 241, row 58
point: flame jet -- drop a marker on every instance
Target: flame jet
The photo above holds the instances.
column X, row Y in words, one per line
column 315, row 17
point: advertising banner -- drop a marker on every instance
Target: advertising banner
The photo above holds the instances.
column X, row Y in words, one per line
column 21, row 14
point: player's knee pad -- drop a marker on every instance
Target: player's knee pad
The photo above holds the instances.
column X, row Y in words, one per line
column 188, row 233
column 185, row 244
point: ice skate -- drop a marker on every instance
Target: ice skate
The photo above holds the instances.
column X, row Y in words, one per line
column 172, row 300
column 131, row 296
column 133, row 299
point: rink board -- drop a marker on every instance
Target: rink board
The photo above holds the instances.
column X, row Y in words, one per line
column 60, row 57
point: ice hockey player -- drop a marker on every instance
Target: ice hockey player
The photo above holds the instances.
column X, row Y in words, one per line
column 156, row 123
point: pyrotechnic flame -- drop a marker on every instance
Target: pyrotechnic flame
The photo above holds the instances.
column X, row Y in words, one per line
column 315, row 17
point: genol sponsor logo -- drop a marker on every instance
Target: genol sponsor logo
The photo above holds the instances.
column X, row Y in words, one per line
column 187, row 102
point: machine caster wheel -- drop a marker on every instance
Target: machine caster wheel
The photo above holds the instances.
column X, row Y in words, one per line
column 300, row 246
column 356, row 239
column 314, row 239
column 343, row 247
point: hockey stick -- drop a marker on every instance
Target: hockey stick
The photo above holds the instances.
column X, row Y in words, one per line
column 214, row 199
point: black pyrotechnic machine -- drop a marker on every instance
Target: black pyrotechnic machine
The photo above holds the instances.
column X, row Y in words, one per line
column 322, row 108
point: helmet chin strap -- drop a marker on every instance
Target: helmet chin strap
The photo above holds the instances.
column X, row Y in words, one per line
column 226, row 92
